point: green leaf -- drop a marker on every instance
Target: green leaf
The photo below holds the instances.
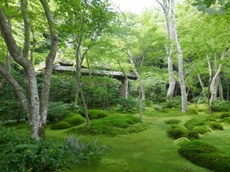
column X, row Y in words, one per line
column 201, row 7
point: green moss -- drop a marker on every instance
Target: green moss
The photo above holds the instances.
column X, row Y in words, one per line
column 215, row 125
column 111, row 125
column 75, row 119
column 201, row 129
column 226, row 120
column 190, row 124
column 61, row 125
column 176, row 131
column 193, row 134
column 173, row 121
column 205, row 155
column 224, row 115
column 97, row 114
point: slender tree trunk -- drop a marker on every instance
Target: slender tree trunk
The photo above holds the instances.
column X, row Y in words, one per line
column 79, row 84
column 220, row 87
column 227, row 89
column 200, row 81
column 184, row 105
column 166, row 6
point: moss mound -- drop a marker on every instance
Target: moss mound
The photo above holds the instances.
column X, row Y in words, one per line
column 97, row 114
column 226, row 120
column 176, row 131
column 61, row 125
column 214, row 125
column 201, row 129
column 112, row 125
column 224, row 115
column 205, row 155
column 190, row 124
column 75, row 119
column 173, row 121
column 193, row 134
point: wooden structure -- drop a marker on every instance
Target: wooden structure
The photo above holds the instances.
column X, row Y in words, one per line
column 63, row 67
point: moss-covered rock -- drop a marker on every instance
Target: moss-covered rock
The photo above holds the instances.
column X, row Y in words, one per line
column 176, row 131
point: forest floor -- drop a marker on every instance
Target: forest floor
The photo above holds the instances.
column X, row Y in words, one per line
column 150, row 150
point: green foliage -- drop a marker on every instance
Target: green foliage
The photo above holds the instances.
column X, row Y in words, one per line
column 215, row 125
column 97, row 114
column 210, row 7
column 224, row 115
column 126, row 105
column 61, row 125
column 84, row 153
column 220, row 106
column 75, row 119
column 174, row 103
column 205, row 155
column 112, row 125
column 25, row 154
column 190, row 124
column 101, row 91
column 63, row 88
column 176, row 131
column 57, row 111
column 173, row 121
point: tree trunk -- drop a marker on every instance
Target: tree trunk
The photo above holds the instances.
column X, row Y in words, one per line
column 184, row 105
column 166, row 6
column 36, row 110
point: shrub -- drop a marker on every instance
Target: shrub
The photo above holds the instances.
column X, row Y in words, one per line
column 176, row 131
column 220, row 106
column 84, row 153
column 205, row 155
column 97, row 114
column 201, row 129
column 173, row 121
column 174, row 103
column 190, row 124
column 22, row 153
column 61, row 125
column 75, row 119
column 126, row 105
column 57, row 111
column 215, row 125
column 224, row 115
column 193, row 134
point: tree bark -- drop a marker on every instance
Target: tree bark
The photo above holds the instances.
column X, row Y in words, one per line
column 37, row 111
column 166, row 7
column 184, row 105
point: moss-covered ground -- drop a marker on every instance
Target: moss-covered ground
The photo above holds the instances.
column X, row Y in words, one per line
column 148, row 149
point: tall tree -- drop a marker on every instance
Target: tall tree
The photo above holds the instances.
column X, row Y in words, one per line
column 85, row 21
column 34, row 105
column 166, row 6
column 169, row 6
